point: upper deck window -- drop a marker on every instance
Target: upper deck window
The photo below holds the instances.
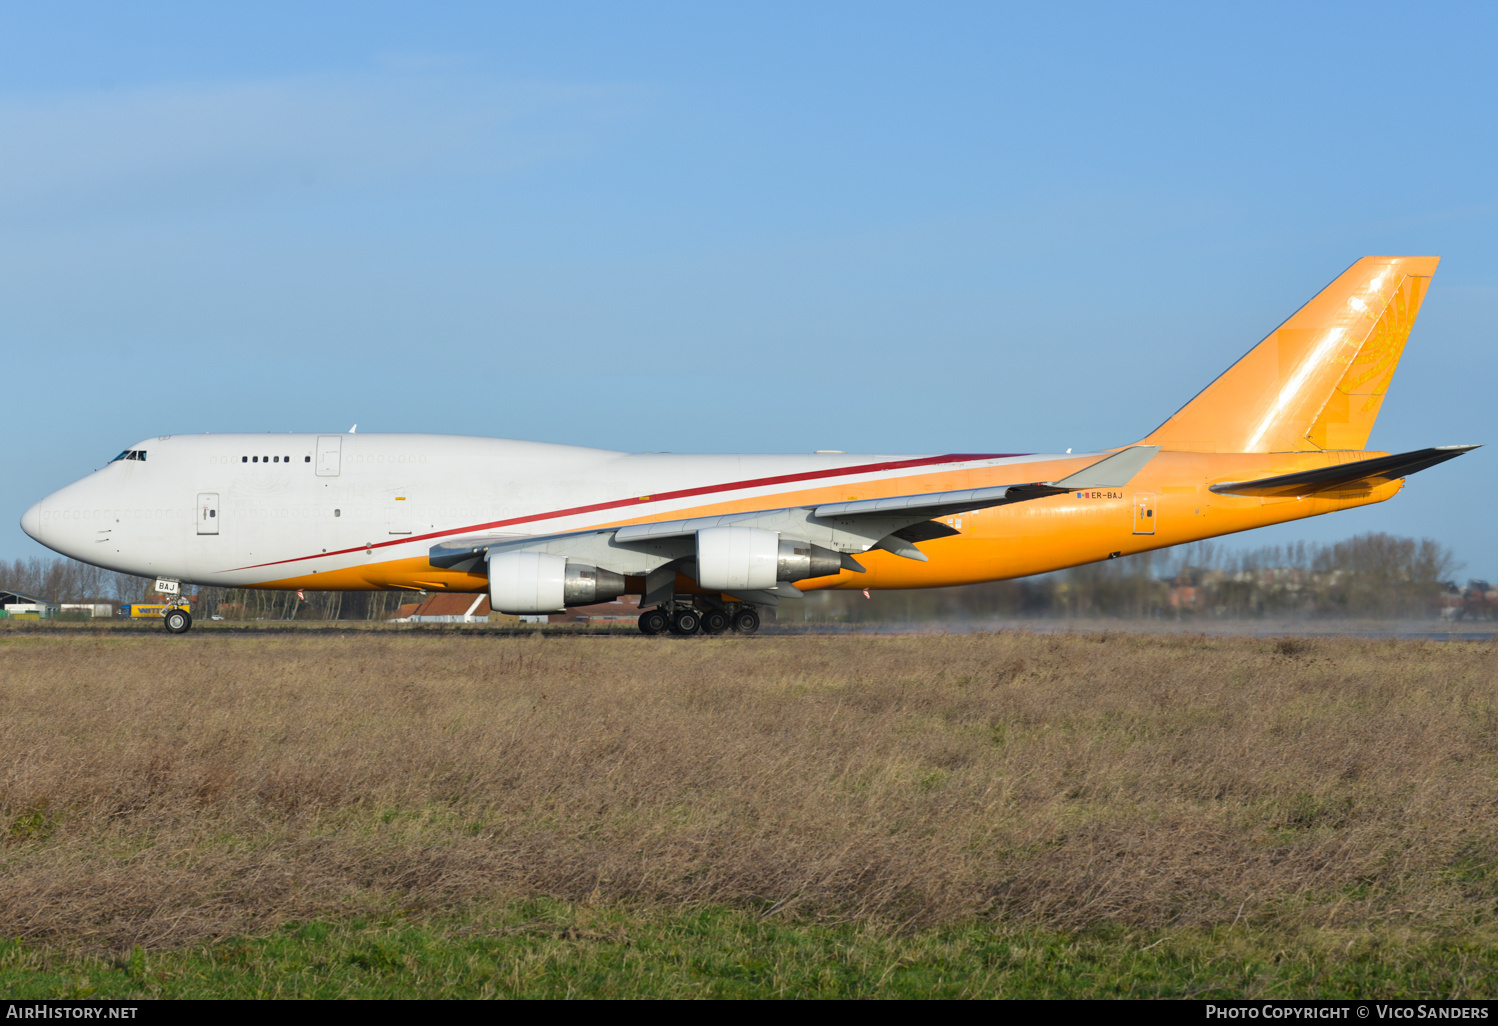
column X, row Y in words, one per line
column 130, row 454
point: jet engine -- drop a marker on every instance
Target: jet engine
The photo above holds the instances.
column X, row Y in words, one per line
column 539, row 582
column 585, row 585
column 751, row 559
column 799, row 560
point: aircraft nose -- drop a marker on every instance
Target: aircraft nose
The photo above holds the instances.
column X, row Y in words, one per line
column 31, row 521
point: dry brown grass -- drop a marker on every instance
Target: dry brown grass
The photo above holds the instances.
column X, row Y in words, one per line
column 1041, row 780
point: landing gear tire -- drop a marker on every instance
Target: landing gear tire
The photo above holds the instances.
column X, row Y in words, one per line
column 685, row 621
column 715, row 621
column 177, row 621
column 653, row 621
column 746, row 621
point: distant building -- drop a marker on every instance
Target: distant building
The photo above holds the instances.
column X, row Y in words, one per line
column 17, row 606
column 91, row 609
column 448, row 607
column 462, row 607
column 625, row 610
column 403, row 613
column 1477, row 601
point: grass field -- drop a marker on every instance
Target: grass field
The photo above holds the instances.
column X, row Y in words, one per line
column 1008, row 814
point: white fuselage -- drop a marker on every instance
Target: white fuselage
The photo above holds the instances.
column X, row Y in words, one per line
column 237, row 510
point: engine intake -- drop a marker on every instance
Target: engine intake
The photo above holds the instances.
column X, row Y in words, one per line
column 539, row 582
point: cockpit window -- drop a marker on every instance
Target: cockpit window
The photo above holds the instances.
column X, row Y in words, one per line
column 130, row 454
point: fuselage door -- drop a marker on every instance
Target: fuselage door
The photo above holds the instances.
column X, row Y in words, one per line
column 1144, row 513
column 329, row 455
column 208, row 512
column 399, row 513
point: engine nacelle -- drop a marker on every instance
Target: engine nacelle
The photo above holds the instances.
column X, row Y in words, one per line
column 750, row 559
column 737, row 558
column 527, row 582
column 539, row 582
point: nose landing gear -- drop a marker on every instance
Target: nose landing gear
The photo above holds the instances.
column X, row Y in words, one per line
column 175, row 616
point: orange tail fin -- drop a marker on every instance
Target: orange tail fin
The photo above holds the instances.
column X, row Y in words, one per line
column 1318, row 380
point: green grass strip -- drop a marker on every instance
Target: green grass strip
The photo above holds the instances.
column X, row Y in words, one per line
column 546, row 949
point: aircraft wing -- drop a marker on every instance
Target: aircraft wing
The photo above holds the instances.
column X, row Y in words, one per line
column 1366, row 472
column 894, row 524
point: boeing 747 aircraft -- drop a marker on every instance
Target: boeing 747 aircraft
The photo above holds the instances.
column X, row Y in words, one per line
column 708, row 541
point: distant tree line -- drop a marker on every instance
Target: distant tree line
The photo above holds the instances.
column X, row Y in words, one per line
column 1371, row 575
column 67, row 580
column 259, row 604
column 60, row 579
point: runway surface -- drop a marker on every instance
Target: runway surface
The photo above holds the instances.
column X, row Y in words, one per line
column 1425, row 630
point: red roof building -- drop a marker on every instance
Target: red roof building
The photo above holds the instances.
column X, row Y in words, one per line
column 447, row 607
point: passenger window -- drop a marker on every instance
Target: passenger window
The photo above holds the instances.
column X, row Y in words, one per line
column 244, row 459
column 306, row 459
column 278, row 459
column 338, row 512
column 256, row 459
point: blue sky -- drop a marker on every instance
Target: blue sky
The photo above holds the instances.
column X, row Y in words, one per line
column 692, row 227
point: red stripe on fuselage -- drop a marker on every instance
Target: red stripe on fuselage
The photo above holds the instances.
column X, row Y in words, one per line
column 758, row 482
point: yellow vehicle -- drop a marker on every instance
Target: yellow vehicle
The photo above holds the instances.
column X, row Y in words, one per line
column 145, row 610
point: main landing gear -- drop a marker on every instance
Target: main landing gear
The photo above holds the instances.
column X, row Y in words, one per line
column 684, row 618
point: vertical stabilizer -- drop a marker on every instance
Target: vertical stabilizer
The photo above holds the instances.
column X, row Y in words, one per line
column 1318, row 381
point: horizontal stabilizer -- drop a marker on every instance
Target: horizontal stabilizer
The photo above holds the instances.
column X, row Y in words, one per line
column 1372, row 472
